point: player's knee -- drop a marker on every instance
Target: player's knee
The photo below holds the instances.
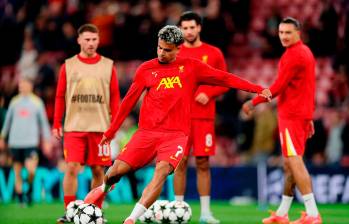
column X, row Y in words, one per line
column 182, row 166
column 72, row 169
column 162, row 170
column 202, row 164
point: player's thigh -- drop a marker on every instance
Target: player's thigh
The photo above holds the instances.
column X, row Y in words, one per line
column 140, row 150
column 75, row 146
column 18, row 155
column 96, row 154
column 204, row 139
column 293, row 135
column 171, row 148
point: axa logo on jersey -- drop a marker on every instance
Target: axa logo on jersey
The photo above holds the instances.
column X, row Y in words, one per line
column 170, row 82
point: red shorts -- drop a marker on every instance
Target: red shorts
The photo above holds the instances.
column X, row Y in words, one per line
column 145, row 145
column 83, row 147
column 293, row 135
column 202, row 139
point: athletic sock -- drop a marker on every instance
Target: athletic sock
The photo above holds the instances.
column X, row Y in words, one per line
column 205, row 205
column 310, row 205
column 284, row 206
column 107, row 187
column 68, row 199
column 99, row 202
column 179, row 197
column 137, row 211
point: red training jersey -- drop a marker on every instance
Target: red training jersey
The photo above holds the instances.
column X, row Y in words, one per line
column 212, row 56
column 295, row 83
column 169, row 91
column 62, row 85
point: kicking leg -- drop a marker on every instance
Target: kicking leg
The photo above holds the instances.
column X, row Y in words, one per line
column 113, row 175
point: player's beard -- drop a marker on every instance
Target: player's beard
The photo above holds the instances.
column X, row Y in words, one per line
column 90, row 51
column 193, row 40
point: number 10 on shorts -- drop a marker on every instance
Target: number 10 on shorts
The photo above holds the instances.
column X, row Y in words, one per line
column 103, row 150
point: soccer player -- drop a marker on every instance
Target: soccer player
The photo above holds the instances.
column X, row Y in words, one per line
column 295, row 86
column 203, row 109
column 25, row 121
column 164, row 122
column 88, row 95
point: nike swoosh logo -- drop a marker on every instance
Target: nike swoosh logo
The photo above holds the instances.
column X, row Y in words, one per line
column 173, row 158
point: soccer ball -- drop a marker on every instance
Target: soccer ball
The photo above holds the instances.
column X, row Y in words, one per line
column 88, row 214
column 177, row 212
column 159, row 208
column 148, row 216
column 71, row 208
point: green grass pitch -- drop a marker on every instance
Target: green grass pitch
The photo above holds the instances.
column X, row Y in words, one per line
column 115, row 213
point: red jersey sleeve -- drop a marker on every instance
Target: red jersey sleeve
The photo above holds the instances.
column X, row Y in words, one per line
column 214, row 91
column 207, row 75
column 131, row 98
column 114, row 93
column 60, row 98
column 283, row 78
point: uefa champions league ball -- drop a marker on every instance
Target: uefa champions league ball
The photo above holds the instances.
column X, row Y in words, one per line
column 71, row 208
column 88, row 214
column 148, row 216
column 159, row 208
column 177, row 212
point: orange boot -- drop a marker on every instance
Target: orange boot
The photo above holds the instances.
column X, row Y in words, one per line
column 129, row 221
column 274, row 219
column 306, row 219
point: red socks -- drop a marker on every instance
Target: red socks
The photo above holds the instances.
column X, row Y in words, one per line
column 68, row 199
column 99, row 202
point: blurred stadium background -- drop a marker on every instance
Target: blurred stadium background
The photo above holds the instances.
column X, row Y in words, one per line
column 37, row 35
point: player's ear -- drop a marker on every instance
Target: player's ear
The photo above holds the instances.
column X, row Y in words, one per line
column 199, row 27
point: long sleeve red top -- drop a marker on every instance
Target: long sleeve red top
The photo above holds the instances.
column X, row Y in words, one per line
column 295, row 84
column 213, row 57
column 169, row 91
column 62, row 85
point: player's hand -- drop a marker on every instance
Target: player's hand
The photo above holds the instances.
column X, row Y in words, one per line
column 248, row 107
column 202, row 98
column 266, row 93
column 57, row 132
column 104, row 141
column 311, row 129
column 2, row 144
column 47, row 148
